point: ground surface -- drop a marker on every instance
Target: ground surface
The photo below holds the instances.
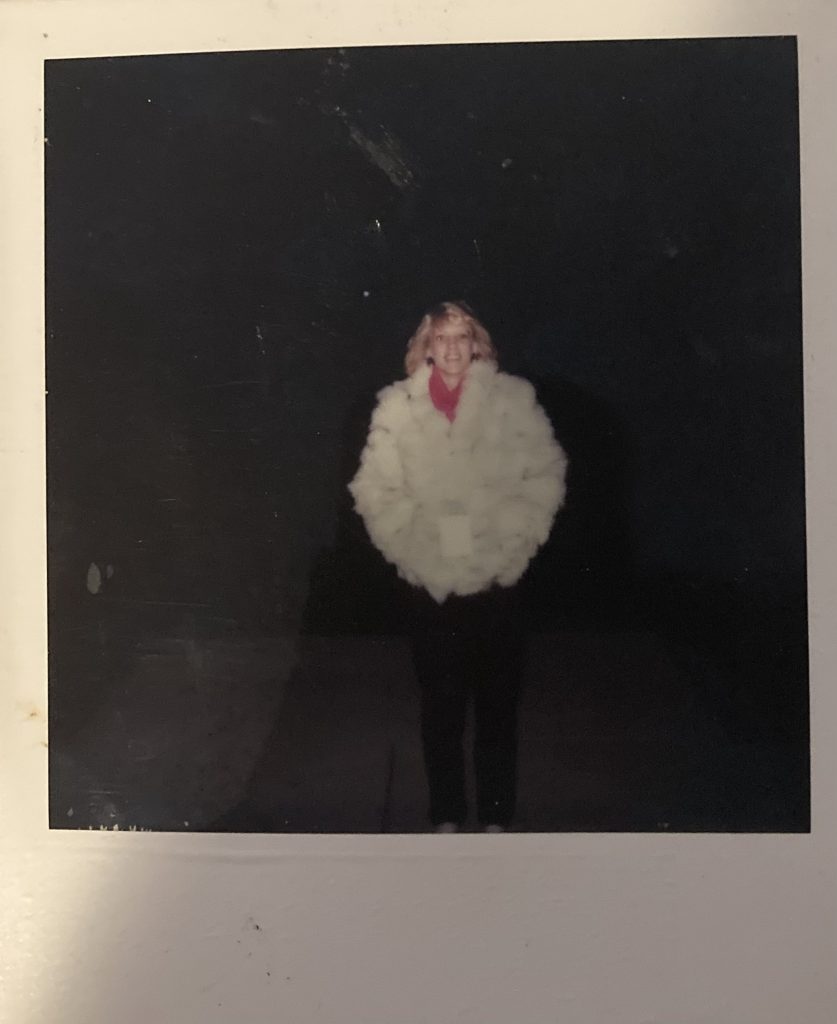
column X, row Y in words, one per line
column 321, row 734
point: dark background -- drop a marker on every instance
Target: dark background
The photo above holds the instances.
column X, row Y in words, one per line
column 239, row 246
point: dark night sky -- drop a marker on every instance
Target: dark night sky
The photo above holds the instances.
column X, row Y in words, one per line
column 240, row 244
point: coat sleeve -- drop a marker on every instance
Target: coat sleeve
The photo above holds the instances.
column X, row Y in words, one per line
column 379, row 488
column 538, row 487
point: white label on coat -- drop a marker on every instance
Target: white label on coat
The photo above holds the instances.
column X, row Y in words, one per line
column 455, row 536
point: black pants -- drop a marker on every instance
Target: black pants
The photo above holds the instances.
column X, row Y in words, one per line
column 470, row 648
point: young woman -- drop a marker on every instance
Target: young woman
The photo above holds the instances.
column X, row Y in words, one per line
column 458, row 485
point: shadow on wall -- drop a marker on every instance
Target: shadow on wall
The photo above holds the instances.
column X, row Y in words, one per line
column 585, row 573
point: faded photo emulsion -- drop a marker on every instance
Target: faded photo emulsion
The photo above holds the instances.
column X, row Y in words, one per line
column 425, row 439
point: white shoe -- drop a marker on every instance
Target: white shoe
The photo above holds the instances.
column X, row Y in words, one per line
column 447, row 828
column 493, row 830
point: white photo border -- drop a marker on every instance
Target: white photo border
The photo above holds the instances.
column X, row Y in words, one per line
column 692, row 899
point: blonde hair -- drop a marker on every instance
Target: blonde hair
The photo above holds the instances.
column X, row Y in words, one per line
column 417, row 345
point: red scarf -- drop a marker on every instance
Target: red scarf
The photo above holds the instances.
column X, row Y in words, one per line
column 445, row 399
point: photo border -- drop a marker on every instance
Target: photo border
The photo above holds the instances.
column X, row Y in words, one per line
column 691, row 898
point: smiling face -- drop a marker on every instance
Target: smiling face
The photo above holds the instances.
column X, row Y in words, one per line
column 451, row 347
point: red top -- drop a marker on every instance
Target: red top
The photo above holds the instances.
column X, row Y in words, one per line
column 445, row 399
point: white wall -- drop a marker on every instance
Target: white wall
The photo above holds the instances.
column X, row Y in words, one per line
column 593, row 929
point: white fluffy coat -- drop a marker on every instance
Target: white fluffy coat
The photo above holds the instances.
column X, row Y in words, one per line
column 459, row 506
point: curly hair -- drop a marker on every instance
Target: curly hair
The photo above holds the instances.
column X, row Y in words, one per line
column 418, row 344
